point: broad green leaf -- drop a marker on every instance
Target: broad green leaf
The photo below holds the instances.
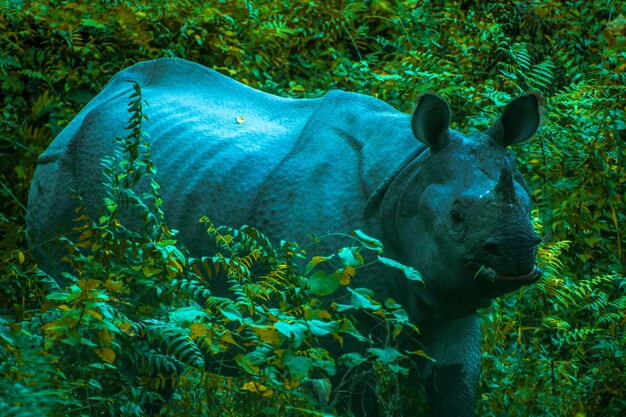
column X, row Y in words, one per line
column 298, row 366
column 401, row 315
column 94, row 383
column 350, row 257
column 386, row 355
column 294, row 331
column 231, row 313
column 322, row 328
column 351, row 360
column 359, row 300
column 411, row 273
column 247, row 365
column 322, row 284
column 368, row 242
column 93, row 23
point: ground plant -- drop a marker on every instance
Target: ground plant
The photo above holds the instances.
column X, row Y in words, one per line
column 132, row 327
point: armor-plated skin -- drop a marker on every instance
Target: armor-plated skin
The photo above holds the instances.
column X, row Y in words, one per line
column 452, row 206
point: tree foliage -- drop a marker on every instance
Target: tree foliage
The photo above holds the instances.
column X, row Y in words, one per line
column 136, row 326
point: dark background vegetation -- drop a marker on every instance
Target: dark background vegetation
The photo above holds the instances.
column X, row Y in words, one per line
column 557, row 348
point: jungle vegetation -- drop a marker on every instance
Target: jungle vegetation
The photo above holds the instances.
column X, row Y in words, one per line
column 128, row 336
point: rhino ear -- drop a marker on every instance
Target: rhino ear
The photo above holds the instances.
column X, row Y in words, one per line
column 520, row 119
column 431, row 120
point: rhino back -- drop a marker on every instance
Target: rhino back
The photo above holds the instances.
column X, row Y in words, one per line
column 232, row 153
column 349, row 148
column 213, row 141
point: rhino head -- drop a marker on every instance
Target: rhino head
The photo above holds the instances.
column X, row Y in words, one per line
column 462, row 210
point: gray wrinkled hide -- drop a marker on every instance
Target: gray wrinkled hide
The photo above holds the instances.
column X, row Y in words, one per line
column 440, row 201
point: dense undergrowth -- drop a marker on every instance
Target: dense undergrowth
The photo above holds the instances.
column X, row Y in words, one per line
column 135, row 326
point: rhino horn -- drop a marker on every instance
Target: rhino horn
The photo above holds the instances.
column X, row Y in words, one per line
column 505, row 189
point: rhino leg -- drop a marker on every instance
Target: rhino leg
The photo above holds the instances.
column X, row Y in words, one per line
column 451, row 381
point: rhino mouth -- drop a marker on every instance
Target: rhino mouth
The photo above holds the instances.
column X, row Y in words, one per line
column 488, row 274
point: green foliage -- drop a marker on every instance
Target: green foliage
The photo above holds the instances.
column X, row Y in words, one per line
column 133, row 319
column 138, row 321
column 576, row 346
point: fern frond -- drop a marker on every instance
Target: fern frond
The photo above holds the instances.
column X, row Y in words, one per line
column 38, row 75
column 599, row 301
column 610, row 317
column 8, row 61
column 233, row 267
column 555, row 323
column 279, row 275
column 219, row 303
column 250, row 239
column 192, row 289
column 574, row 335
column 550, row 256
column 276, row 28
column 521, row 72
column 172, row 339
column 520, row 55
column 541, row 76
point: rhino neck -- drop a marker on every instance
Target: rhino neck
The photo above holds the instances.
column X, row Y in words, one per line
column 384, row 201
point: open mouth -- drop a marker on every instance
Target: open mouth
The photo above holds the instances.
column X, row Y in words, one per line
column 486, row 273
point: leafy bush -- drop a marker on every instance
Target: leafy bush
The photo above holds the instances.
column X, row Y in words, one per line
column 138, row 318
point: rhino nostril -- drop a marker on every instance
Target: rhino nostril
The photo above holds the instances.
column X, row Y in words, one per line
column 491, row 248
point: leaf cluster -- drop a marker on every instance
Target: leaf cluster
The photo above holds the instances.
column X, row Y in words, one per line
column 575, row 345
column 147, row 328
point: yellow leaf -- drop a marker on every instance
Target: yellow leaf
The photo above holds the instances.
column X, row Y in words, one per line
column 396, row 332
column 106, row 354
column 85, row 235
column 267, row 334
column 148, row 271
column 95, row 314
column 88, row 284
column 198, row 330
column 81, row 218
column 228, row 338
column 338, row 339
column 113, row 285
column 105, row 338
column 317, row 259
column 253, row 387
column 125, row 327
column 176, row 265
column 420, row 353
column 346, row 275
column 20, row 257
column 317, row 314
column 289, row 384
column 84, row 244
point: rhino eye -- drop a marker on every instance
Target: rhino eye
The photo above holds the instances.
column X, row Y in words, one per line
column 456, row 216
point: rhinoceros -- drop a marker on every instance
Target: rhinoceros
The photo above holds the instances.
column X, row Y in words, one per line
column 453, row 206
